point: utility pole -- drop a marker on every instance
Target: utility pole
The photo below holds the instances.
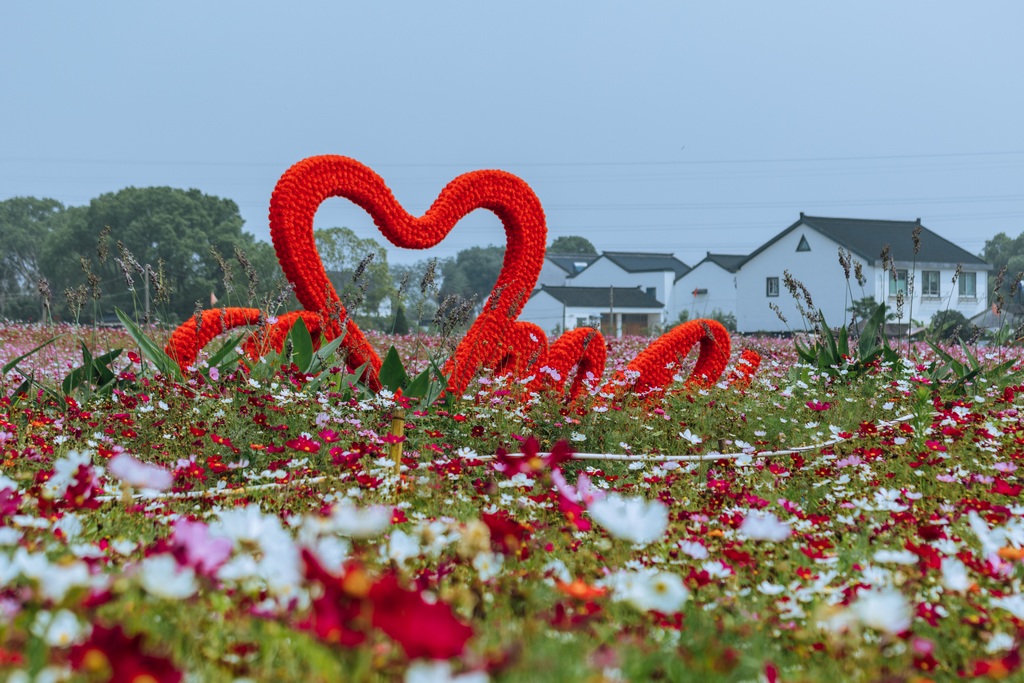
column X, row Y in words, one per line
column 611, row 310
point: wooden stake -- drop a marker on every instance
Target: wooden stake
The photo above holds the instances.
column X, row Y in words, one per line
column 398, row 430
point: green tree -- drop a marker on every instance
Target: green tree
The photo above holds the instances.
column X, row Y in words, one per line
column 948, row 325
column 572, row 244
column 1006, row 252
column 472, row 273
column 343, row 253
column 401, row 325
column 154, row 225
column 862, row 309
column 26, row 224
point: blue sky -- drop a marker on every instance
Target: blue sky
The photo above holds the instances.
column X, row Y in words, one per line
column 662, row 126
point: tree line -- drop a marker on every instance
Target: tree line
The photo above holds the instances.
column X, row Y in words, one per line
column 161, row 253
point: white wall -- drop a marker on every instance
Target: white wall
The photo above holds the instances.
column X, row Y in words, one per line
column 545, row 311
column 924, row 307
column 604, row 273
column 721, row 291
column 819, row 271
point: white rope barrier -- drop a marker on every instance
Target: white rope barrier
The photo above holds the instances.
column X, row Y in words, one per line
column 614, row 457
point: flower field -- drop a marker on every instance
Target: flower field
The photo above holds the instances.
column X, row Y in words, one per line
column 848, row 523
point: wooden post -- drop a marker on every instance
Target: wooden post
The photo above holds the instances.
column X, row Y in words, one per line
column 398, row 430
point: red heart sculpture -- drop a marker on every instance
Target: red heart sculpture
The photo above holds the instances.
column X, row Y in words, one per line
column 305, row 186
column 495, row 339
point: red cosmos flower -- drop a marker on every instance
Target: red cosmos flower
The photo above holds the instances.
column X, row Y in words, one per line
column 328, row 435
column 111, row 653
column 507, row 535
column 334, row 613
column 349, row 605
column 531, row 460
column 997, row 668
column 818, row 405
column 424, row 630
column 304, row 444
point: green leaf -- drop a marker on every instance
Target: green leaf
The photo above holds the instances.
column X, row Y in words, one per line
column 150, row 349
column 217, row 358
column 419, row 385
column 302, row 345
column 392, row 375
column 867, row 345
column 12, row 364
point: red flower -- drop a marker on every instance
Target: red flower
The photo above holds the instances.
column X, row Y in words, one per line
column 304, row 444
column 349, row 605
column 424, row 630
column 111, row 653
column 507, row 535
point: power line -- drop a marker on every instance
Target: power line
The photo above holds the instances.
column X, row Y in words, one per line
column 680, row 162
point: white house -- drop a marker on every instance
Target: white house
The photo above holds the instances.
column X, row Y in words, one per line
column 654, row 273
column 927, row 276
column 558, row 268
column 709, row 286
column 613, row 310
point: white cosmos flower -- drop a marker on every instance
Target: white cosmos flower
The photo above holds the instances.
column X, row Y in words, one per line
column 896, row 557
column 694, row 549
column 954, row 575
column 885, row 610
column 769, row 588
column 162, row 576
column 716, row 569
column 403, row 547
column 64, row 471
column 422, row 671
column 636, row 520
column 264, row 551
column 1014, row 604
column 349, row 520
column 59, row 629
column 764, row 526
column 691, row 437
column 138, row 474
column 1000, row 642
column 487, row 565
column 648, row 590
column 54, row 580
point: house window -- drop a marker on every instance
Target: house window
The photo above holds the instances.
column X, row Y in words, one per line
column 968, row 285
column 930, row 283
column 653, row 291
column 803, row 246
column 772, row 286
column 898, row 283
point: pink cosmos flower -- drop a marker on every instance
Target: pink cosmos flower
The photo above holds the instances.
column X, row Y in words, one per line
column 141, row 475
column 194, row 547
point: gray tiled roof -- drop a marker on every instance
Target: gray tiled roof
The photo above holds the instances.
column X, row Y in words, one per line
column 597, row 297
column 568, row 262
column 867, row 237
column 639, row 262
column 730, row 262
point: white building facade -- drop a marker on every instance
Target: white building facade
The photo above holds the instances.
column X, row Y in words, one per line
column 655, row 274
column 809, row 251
column 708, row 287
